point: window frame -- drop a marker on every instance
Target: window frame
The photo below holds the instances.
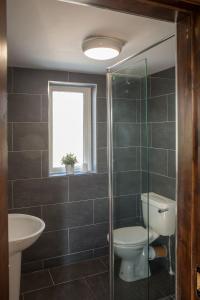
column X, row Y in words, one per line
column 86, row 90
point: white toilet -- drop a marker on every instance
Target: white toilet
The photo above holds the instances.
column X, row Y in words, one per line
column 131, row 243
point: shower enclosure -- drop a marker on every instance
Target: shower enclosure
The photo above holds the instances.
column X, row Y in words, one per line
column 141, row 150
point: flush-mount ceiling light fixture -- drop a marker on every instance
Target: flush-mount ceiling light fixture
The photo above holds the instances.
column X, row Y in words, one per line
column 102, row 48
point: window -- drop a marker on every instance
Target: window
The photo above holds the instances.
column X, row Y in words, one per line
column 69, row 125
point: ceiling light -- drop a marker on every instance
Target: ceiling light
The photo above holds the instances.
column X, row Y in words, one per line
column 102, row 48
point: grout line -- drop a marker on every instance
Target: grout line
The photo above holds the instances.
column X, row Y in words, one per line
column 68, row 240
column 12, row 136
column 167, row 163
column 93, row 211
column 21, row 151
column 68, row 186
column 41, row 163
column 31, row 122
column 12, row 198
column 41, row 106
column 51, row 276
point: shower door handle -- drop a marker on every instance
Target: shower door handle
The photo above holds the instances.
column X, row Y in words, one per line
column 163, row 210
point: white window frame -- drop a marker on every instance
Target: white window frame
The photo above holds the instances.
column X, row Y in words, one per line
column 87, row 122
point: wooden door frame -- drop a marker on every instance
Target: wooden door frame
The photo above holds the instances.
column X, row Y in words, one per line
column 187, row 15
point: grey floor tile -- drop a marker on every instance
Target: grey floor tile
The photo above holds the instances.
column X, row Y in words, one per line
column 77, row 290
column 36, row 280
column 100, row 286
column 77, row 271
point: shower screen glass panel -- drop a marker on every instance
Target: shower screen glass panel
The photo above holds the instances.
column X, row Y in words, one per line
column 142, row 179
column 129, row 181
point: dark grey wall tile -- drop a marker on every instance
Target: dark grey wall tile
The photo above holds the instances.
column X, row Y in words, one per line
column 126, row 110
column 144, row 182
column 30, row 136
column 10, row 136
column 24, row 108
column 44, row 108
column 162, row 86
column 163, row 185
column 125, row 207
column 34, row 81
column 50, row 244
column 145, row 87
column 102, row 160
column 26, row 164
column 10, row 80
column 146, row 135
column 100, row 80
column 172, row 135
column 101, row 110
column 126, row 183
column 89, row 237
column 124, row 87
column 88, row 187
column 101, row 208
column 32, row 266
column 40, row 191
column 126, row 135
column 101, row 135
column 45, row 163
column 157, row 109
column 154, row 160
column 125, row 159
column 65, row 215
column 167, row 73
column 171, row 107
column 101, row 251
column 33, row 211
column 161, row 135
column 172, row 164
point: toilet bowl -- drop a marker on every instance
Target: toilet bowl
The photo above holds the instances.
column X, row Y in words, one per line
column 131, row 245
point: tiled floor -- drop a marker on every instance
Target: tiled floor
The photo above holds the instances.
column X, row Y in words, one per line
column 88, row 280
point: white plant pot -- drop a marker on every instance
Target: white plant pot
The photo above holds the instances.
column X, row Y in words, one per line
column 69, row 169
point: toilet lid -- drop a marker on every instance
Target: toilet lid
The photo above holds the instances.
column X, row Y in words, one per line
column 131, row 235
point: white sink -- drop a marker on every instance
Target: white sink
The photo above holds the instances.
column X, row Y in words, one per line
column 23, row 231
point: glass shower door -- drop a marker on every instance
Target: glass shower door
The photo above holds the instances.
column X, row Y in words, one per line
column 128, row 174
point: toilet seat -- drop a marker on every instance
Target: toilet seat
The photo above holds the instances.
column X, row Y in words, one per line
column 129, row 236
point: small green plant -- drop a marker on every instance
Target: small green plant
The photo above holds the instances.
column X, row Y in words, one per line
column 69, row 159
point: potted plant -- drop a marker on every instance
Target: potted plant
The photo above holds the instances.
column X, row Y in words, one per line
column 69, row 160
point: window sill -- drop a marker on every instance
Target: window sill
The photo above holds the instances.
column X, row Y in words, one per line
column 76, row 173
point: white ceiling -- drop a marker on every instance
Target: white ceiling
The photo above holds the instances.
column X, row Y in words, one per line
column 49, row 33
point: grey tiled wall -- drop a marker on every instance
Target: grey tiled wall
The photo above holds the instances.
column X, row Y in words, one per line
column 127, row 144
column 162, row 126
column 162, row 137
column 74, row 208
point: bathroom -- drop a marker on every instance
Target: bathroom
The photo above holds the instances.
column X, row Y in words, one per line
column 100, row 234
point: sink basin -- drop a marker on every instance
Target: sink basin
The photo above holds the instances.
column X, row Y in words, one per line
column 23, row 231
